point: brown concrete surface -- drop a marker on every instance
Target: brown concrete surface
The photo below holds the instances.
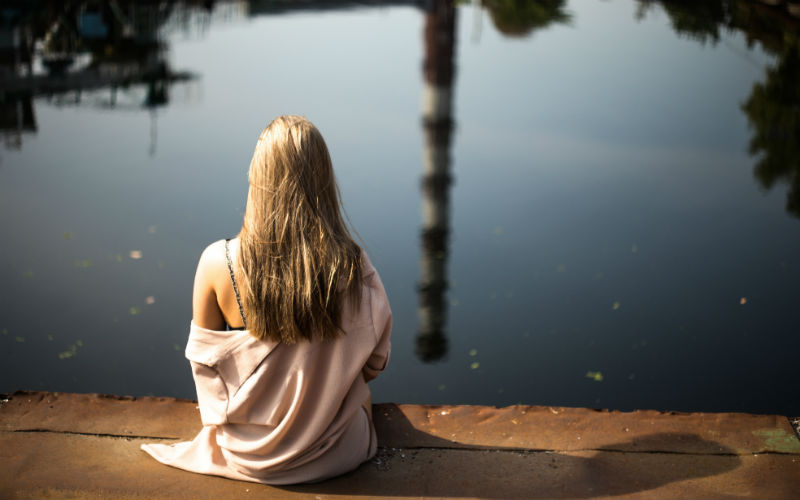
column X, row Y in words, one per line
column 87, row 446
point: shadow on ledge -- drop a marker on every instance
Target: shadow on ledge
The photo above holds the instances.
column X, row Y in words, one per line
column 445, row 468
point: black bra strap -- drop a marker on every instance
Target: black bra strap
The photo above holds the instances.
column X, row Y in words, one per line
column 233, row 280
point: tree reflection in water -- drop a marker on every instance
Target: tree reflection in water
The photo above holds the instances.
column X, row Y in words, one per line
column 700, row 21
column 523, row 17
column 773, row 110
column 84, row 47
column 773, row 107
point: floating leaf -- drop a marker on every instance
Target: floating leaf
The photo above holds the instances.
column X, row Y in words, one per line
column 20, row 339
column 118, row 257
column 135, row 254
column 615, row 305
column 442, row 387
column 134, row 311
column 634, row 248
column 176, row 347
column 83, row 264
column 67, row 235
column 71, row 351
column 160, row 264
column 79, row 343
column 28, row 274
column 631, row 376
column 474, row 365
column 596, row 376
column 473, row 352
column 5, row 331
column 454, row 302
column 50, row 337
column 151, row 229
column 743, row 301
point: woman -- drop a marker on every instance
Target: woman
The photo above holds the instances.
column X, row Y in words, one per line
column 290, row 321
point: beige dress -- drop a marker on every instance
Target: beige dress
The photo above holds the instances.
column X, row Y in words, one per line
column 278, row 413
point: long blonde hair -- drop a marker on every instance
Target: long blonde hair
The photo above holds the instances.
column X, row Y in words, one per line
column 297, row 261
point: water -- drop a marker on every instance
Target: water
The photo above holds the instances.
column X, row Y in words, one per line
column 566, row 216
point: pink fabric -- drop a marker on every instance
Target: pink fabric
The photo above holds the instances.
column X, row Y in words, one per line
column 280, row 414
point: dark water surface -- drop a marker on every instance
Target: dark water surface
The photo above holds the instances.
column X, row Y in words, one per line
column 586, row 203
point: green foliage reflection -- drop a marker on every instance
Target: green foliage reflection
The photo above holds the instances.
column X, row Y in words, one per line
column 700, row 21
column 773, row 110
column 773, row 107
column 521, row 17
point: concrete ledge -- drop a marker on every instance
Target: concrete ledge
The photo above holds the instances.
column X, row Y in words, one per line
column 82, row 445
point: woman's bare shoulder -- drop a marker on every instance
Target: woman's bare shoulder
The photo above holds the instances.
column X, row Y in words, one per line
column 213, row 253
column 212, row 259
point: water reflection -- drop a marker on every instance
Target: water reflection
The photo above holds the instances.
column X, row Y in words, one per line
column 700, row 21
column 16, row 118
column 437, row 123
column 773, row 111
column 569, row 195
column 62, row 49
column 16, row 110
column 513, row 18
column 258, row 7
column 519, row 18
column 773, row 107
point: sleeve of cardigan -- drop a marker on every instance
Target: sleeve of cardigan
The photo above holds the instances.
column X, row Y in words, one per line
column 382, row 325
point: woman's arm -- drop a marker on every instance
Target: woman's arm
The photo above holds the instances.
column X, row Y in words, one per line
column 205, row 308
column 382, row 324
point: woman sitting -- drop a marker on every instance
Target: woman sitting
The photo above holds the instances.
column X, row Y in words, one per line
column 290, row 321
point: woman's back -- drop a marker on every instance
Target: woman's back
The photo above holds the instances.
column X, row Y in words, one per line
column 219, row 309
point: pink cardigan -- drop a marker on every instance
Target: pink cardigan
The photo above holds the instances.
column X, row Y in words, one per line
column 278, row 413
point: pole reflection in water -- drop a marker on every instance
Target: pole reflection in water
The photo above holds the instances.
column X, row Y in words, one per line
column 16, row 109
column 519, row 18
column 437, row 123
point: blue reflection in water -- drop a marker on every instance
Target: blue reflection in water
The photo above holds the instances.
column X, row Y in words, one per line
column 602, row 219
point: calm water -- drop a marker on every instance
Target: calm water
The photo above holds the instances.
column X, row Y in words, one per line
column 594, row 209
